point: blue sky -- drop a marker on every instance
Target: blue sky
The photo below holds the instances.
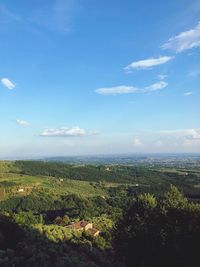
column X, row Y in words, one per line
column 99, row 77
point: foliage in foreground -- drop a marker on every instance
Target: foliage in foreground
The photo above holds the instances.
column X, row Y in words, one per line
column 159, row 232
column 49, row 245
column 152, row 231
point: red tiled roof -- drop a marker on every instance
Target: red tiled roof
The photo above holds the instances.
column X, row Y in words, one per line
column 83, row 223
column 78, row 225
column 93, row 231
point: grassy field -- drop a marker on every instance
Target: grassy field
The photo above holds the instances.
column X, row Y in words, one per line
column 12, row 184
column 24, row 184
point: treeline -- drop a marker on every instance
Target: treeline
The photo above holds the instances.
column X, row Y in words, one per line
column 75, row 172
column 145, row 176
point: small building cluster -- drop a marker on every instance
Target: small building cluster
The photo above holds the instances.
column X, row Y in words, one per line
column 21, row 190
column 84, row 226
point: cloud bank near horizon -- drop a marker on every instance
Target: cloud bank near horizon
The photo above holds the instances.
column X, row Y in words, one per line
column 64, row 132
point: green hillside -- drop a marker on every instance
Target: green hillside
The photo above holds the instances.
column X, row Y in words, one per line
column 40, row 200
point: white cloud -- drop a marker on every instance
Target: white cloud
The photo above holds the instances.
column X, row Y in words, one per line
column 64, row 132
column 137, row 142
column 22, row 122
column 123, row 89
column 194, row 73
column 131, row 89
column 191, row 138
column 185, row 40
column 193, row 134
column 188, row 93
column 147, row 63
column 162, row 77
column 7, row 83
column 177, row 140
column 180, row 135
column 156, row 86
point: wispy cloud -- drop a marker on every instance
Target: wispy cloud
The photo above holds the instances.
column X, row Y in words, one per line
column 65, row 132
column 156, row 86
column 7, row 83
column 123, row 89
column 6, row 16
column 58, row 16
column 188, row 93
column 194, row 73
column 147, row 63
column 162, row 76
column 184, row 40
column 22, row 122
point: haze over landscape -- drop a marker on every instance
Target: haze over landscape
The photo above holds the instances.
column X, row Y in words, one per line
column 99, row 77
column 100, row 133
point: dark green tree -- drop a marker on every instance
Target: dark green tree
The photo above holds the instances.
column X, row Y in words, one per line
column 154, row 233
